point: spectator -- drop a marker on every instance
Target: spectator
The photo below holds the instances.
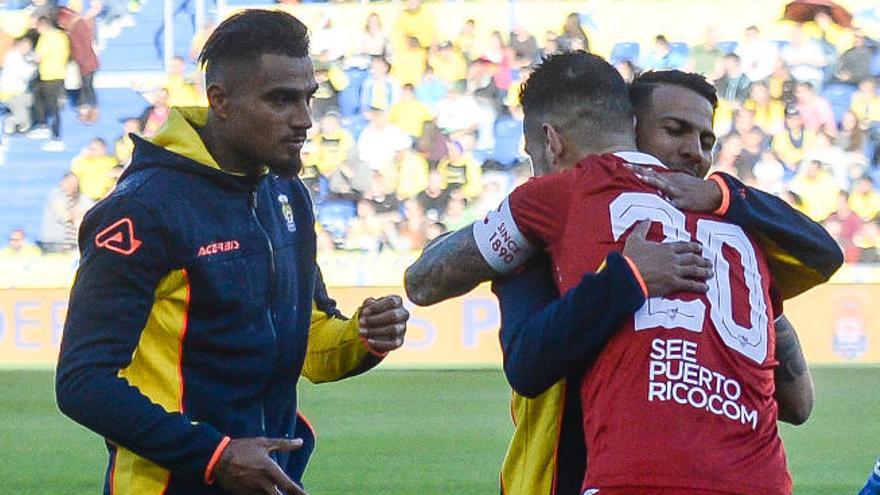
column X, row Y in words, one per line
column 19, row 248
column 457, row 112
column 17, row 73
column 366, row 230
column 432, row 144
column 457, row 214
column 661, row 56
column 431, row 90
column 814, row 109
column 379, row 89
column 373, row 41
column 851, row 137
column 501, row 57
column 411, row 232
column 92, row 167
column 573, row 36
column 460, row 170
column 817, row 189
column 864, row 199
column 524, row 46
column 381, row 193
column 448, row 63
column 155, row 115
column 551, row 44
column 466, row 42
column 377, row 142
column 350, row 181
column 769, row 173
column 62, row 215
column 331, row 80
column 412, row 171
column 769, row 114
column 805, row 58
column 706, row 57
column 781, row 84
column 417, row 21
column 123, row 147
column 866, row 102
column 757, row 56
column 328, row 39
column 333, row 145
column 854, row 65
column 733, row 86
column 179, row 87
column 868, row 242
column 52, row 52
column 792, row 143
column 744, row 123
column 508, row 150
column 409, row 63
column 79, row 30
column 435, row 198
column 409, row 114
column 847, row 227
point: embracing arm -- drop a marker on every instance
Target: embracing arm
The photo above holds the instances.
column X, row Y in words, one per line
column 794, row 383
column 450, row 267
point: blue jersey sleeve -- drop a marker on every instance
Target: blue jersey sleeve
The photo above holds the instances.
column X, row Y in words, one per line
column 801, row 254
column 544, row 337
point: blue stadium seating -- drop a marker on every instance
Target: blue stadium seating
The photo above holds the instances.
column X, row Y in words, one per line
column 335, row 215
column 29, row 173
column 875, row 64
column 840, row 96
column 625, row 51
column 727, row 46
column 680, row 49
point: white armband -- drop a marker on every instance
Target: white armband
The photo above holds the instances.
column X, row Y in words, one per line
column 501, row 243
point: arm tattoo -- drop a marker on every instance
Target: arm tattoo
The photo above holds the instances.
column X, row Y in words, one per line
column 448, row 268
column 792, row 365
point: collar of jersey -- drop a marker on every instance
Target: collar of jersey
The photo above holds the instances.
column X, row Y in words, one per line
column 639, row 158
column 179, row 135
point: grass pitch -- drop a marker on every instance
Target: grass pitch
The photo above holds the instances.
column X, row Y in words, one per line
column 419, row 433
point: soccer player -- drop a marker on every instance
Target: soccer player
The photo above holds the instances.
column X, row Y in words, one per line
column 672, row 128
column 198, row 292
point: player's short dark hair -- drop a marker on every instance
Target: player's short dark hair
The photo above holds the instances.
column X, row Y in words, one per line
column 644, row 84
column 249, row 34
column 580, row 88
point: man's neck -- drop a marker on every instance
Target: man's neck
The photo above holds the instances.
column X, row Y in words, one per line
column 601, row 148
column 220, row 150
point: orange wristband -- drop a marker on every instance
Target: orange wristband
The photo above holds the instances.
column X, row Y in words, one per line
column 638, row 275
column 725, row 195
column 209, row 471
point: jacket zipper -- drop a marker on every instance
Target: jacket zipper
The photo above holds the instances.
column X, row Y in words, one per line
column 270, row 311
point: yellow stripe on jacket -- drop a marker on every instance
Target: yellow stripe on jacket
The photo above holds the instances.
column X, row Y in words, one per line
column 530, row 463
column 155, row 371
column 334, row 350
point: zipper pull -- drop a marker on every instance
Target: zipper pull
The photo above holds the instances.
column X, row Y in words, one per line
column 254, row 199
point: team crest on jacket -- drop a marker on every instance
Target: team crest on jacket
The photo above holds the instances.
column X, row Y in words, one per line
column 287, row 211
column 119, row 238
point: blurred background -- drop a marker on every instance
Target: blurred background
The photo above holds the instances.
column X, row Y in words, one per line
column 417, row 131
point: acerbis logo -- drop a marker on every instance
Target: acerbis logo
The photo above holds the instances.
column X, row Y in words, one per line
column 119, row 238
column 219, row 247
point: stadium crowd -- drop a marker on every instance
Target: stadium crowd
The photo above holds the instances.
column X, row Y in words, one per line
column 415, row 135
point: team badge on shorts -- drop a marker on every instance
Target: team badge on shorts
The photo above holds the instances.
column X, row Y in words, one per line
column 287, row 211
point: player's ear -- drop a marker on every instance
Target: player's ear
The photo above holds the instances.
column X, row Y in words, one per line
column 218, row 100
column 555, row 146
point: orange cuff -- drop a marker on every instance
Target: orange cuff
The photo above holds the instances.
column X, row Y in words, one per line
column 209, row 471
column 725, row 195
column 370, row 349
column 638, row 275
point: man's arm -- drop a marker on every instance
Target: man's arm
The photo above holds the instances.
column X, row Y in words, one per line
column 794, row 383
column 340, row 347
column 450, row 267
column 801, row 254
column 545, row 337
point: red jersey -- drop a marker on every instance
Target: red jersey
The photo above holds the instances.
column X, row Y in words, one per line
column 682, row 395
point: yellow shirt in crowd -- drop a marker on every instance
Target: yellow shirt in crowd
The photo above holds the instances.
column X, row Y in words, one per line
column 53, row 51
column 410, row 116
column 866, row 206
column 181, row 93
column 413, row 175
column 450, row 67
column 866, row 107
column 820, row 194
column 464, row 171
column 409, row 65
column 94, row 174
column 420, row 24
column 331, row 150
column 770, row 118
column 786, row 150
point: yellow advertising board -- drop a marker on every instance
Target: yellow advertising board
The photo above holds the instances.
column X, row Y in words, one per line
column 835, row 322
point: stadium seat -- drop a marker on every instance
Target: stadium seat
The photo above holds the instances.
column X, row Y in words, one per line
column 350, row 97
column 840, row 96
column 335, row 215
column 625, row 51
column 727, row 46
column 875, row 64
column 680, row 48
